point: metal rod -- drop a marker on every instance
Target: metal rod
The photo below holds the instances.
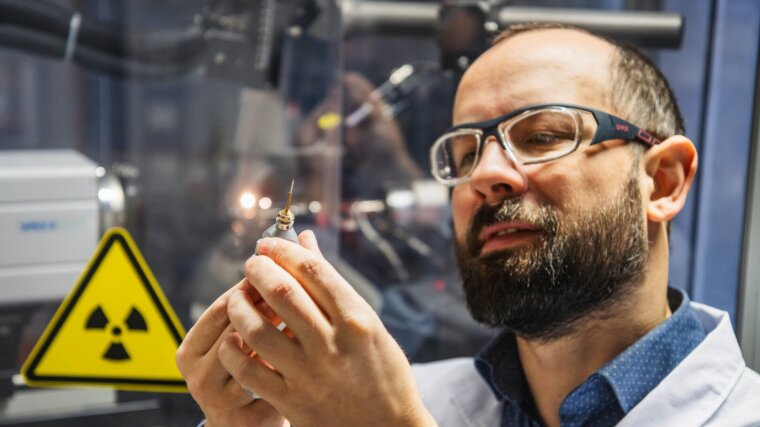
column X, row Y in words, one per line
column 652, row 29
column 648, row 29
column 360, row 16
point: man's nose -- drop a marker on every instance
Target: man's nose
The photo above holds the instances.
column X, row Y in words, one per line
column 497, row 174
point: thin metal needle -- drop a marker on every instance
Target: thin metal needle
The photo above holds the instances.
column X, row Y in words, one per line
column 290, row 195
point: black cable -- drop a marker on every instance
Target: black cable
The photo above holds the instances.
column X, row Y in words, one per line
column 157, row 48
column 55, row 47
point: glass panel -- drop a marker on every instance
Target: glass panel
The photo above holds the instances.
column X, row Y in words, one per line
column 396, row 230
column 190, row 125
column 197, row 122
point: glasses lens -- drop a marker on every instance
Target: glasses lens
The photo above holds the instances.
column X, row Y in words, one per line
column 545, row 134
column 455, row 155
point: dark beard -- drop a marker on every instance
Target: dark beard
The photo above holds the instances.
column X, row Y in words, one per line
column 577, row 268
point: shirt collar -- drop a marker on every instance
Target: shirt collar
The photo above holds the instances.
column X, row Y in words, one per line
column 652, row 357
column 499, row 364
column 643, row 365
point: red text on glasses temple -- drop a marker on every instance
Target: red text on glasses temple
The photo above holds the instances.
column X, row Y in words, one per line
column 646, row 137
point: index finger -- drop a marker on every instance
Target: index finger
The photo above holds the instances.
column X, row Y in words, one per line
column 202, row 336
column 326, row 287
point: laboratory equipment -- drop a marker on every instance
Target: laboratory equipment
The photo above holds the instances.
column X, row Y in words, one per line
column 48, row 222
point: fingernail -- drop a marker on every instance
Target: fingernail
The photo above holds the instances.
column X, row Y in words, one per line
column 264, row 245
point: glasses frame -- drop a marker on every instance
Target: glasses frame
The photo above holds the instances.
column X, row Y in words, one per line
column 608, row 127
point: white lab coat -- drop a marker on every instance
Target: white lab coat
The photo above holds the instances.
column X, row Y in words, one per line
column 711, row 387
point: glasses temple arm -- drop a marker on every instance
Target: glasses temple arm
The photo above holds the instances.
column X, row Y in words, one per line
column 611, row 127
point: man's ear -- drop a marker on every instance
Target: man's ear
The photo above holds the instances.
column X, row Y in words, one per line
column 671, row 166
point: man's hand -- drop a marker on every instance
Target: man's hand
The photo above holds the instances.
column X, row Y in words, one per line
column 221, row 398
column 336, row 365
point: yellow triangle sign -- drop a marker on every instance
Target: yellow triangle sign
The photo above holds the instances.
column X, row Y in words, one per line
column 115, row 328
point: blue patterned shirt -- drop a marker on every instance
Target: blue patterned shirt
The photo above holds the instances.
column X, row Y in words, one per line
column 609, row 393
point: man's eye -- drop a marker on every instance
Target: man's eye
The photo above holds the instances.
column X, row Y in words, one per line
column 466, row 160
column 538, row 139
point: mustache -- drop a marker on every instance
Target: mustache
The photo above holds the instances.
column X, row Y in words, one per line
column 508, row 210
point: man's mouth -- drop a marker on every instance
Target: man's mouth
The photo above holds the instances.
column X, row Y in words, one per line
column 507, row 235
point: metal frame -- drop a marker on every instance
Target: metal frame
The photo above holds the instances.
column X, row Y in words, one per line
column 749, row 292
column 724, row 172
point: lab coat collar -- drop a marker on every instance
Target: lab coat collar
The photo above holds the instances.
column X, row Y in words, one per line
column 703, row 380
column 476, row 403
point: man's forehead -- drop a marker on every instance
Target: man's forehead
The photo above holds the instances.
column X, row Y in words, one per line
column 538, row 66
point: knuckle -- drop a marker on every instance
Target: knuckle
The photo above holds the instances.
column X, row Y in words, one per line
column 252, row 265
column 196, row 387
column 281, row 291
column 333, row 350
column 253, row 332
column 359, row 322
column 240, row 369
column 198, row 384
column 233, row 365
column 312, row 267
column 234, row 305
column 247, row 372
column 181, row 358
column 277, row 251
column 318, row 393
column 217, row 312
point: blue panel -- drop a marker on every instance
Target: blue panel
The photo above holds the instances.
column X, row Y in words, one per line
column 686, row 70
column 725, row 153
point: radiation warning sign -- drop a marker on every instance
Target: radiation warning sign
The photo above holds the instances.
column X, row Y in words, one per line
column 115, row 328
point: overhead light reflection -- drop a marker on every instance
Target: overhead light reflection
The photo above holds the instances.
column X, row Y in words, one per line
column 247, row 200
column 265, row 203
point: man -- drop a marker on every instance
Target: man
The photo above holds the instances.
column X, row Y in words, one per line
column 566, row 165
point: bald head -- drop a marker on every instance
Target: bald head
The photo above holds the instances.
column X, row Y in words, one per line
column 554, row 65
column 535, row 63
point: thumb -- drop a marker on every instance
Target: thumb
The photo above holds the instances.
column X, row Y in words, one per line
column 308, row 240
